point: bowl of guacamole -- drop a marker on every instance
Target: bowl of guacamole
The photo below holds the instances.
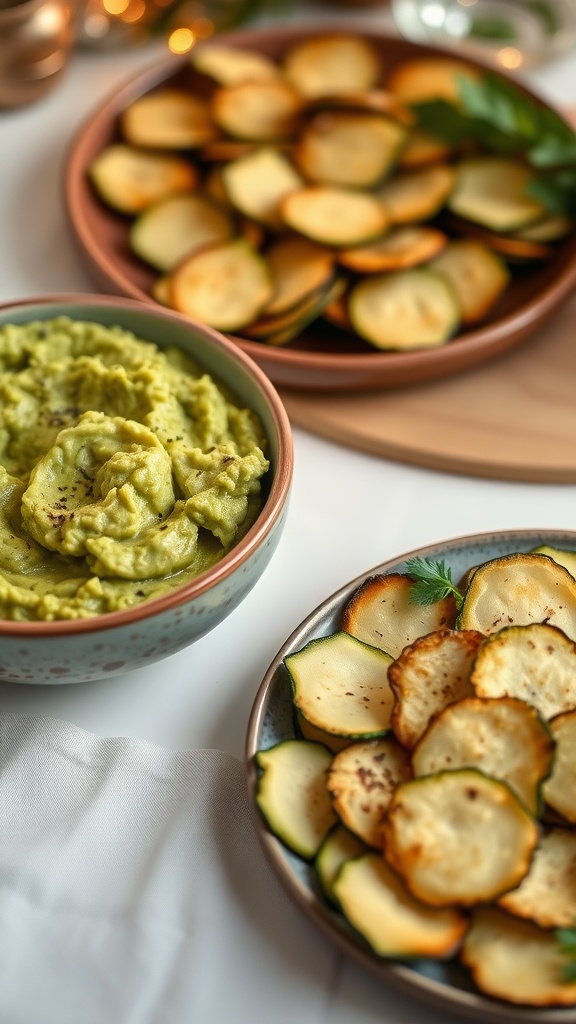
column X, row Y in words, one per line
column 145, row 467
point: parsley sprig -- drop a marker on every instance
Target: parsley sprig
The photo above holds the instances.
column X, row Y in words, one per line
column 498, row 116
column 432, row 582
column 566, row 939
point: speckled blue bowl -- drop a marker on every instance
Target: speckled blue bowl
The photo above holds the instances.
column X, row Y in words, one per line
column 110, row 644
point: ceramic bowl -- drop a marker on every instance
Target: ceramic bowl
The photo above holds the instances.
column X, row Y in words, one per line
column 440, row 984
column 116, row 642
column 321, row 357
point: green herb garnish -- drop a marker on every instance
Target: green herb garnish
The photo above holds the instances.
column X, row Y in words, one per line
column 566, row 938
column 498, row 116
column 432, row 582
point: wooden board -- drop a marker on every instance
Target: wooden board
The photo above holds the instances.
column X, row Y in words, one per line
column 512, row 419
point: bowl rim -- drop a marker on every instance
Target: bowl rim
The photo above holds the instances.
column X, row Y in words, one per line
column 370, row 369
column 254, row 537
column 472, row 1004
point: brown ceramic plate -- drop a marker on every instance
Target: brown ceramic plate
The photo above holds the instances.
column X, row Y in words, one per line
column 321, row 358
column 443, row 984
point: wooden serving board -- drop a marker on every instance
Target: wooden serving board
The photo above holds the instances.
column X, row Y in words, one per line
column 511, row 419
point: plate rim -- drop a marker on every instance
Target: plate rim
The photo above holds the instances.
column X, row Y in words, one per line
column 365, row 370
column 474, row 1005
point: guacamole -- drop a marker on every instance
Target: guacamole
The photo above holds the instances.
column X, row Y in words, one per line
column 125, row 470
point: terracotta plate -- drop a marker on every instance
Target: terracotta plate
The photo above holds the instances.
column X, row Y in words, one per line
column 442, row 984
column 322, row 357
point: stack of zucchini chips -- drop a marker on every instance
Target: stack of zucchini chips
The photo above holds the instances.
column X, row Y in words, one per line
column 430, row 778
column 273, row 191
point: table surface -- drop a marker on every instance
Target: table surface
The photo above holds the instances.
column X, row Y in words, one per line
column 201, row 697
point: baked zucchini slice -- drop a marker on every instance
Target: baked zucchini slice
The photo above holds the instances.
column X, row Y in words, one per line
column 559, row 555
column 281, row 328
column 405, row 309
column 292, row 794
column 518, row 589
column 430, row 78
column 503, row 737
column 534, row 663
column 477, row 274
column 361, row 781
column 349, row 148
column 334, row 216
column 177, row 226
column 332, row 64
column 423, row 149
column 401, row 248
column 341, row 685
column 458, row 837
column 130, row 179
column 381, row 613
column 168, row 119
column 256, row 184
column 547, row 895
column 263, row 111
column 339, row 846
column 391, row 921
column 428, row 676
column 493, row 191
column 515, row 960
column 550, row 229
column 225, row 286
column 299, row 267
column 417, row 195
column 307, row 731
column 560, row 788
column 230, row 65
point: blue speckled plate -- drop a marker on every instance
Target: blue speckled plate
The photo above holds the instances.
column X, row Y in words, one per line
column 444, row 985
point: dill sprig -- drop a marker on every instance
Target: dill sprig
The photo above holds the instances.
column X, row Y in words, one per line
column 432, row 582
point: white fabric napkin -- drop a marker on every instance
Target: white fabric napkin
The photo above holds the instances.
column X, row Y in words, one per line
column 133, row 890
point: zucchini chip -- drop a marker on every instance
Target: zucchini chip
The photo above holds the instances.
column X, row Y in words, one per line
column 257, row 183
column 339, row 846
column 381, row 613
column 334, row 216
column 559, row 555
column 225, row 286
column 177, row 226
column 459, row 837
column 505, row 738
column 332, row 64
column 377, row 101
column 264, row 111
column 560, row 788
column 405, row 309
column 361, row 781
column 428, row 676
column 168, row 119
column 341, row 685
column 478, row 276
column 393, row 923
column 228, row 65
column 430, row 78
column 547, row 895
column 349, row 148
column 417, row 195
column 510, row 247
column 515, row 960
column 493, row 191
column 550, row 229
column 535, row 663
column 299, row 267
column 130, row 179
column 423, row 149
column 401, row 248
column 292, row 794
column 307, row 731
column 281, row 328
column 516, row 590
